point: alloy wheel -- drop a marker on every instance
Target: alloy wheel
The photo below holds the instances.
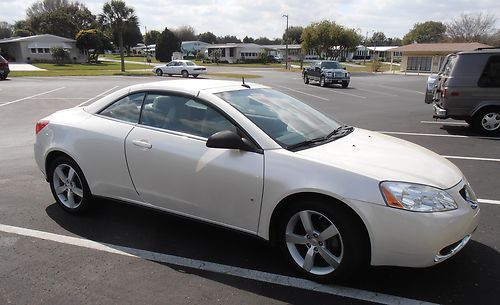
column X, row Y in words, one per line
column 68, row 186
column 314, row 242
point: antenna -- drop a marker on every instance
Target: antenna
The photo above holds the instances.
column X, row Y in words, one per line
column 244, row 85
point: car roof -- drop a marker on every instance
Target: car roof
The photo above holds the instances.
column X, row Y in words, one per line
column 495, row 50
column 187, row 86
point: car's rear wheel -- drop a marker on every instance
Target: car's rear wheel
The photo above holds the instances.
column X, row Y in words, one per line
column 345, row 84
column 322, row 241
column 3, row 76
column 184, row 73
column 322, row 81
column 159, row 72
column 68, row 185
column 487, row 121
column 306, row 79
column 195, row 75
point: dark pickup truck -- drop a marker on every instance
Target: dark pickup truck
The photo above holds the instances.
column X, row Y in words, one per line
column 326, row 72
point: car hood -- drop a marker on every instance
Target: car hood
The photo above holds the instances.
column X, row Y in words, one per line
column 383, row 158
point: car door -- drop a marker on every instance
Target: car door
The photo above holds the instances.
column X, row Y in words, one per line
column 172, row 168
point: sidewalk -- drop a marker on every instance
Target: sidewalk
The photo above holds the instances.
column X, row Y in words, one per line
column 23, row 67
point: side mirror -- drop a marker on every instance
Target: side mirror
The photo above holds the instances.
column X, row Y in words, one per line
column 229, row 140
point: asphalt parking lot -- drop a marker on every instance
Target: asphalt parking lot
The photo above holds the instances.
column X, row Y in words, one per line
column 121, row 254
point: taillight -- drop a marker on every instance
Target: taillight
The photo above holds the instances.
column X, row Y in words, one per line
column 455, row 93
column 40, row 125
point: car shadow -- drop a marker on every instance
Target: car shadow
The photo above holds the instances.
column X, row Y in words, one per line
column 466, row 130
column 470, row 277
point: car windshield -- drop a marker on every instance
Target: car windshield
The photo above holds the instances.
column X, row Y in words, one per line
column 291, row 123
column 190, row 63
column 330, row 65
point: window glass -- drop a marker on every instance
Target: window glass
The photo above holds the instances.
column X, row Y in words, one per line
column 46, row 50
column 331, row 65
column 33, row 50
column 491, row 73
column 285, row 119
column 182, row 114
column 190, row 63
column 125, row 109
column 39, row 50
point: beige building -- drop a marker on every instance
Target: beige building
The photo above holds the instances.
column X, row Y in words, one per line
column 427, row 57
column 37, row 48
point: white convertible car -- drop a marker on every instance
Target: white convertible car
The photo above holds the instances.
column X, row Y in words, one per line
column 244, row 156
column 180, row 67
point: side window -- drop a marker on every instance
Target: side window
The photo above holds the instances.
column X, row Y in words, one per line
column 126, row 109
column 491, row 73
column 182, row 114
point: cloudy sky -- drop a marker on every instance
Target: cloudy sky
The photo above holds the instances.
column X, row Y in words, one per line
column 264, row 17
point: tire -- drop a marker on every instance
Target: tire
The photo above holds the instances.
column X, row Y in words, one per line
column 170, row 74
column 159, row 72
column 322, row 81
column 487, row 121
column 346, row 248
column 345, row 84
column 195, row 75
column 3, row 76
column 306, row 79
column 184, row 73
column 69, row 186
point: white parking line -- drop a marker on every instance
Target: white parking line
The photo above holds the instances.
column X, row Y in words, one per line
column 99, row 95
column 342, row 92
column 436, row 135
column 445, row 123
column 266, row 277
column 472, row 158
column 318, row 97
column 401, row 89
column 489, row 201
column 376, row 92
column 32, row 96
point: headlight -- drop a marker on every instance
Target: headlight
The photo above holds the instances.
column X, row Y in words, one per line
column 416, row 197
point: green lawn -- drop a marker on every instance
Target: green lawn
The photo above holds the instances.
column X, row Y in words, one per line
column 130, row 58
column 104, row 68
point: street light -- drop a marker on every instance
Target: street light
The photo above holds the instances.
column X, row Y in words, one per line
column 286, row 41
column 366, row 46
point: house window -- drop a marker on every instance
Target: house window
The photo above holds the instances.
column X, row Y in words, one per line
column 33, row 50
column 223, row 53
column 46, row 50
column 231, row 52
column 419, row 63
column 39, row 50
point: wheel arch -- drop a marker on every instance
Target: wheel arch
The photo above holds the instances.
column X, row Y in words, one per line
column 296, row 197
column 52, row 155
column 486, row 105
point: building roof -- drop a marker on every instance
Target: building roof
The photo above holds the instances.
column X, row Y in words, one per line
column 440, row 47
column 235, row 45
column 381, row 48
column 283, row 46
column 36, row 38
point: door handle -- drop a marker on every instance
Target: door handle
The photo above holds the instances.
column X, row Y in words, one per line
column 142, row 143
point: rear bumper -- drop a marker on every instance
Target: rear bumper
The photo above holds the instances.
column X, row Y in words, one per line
column 439, row 112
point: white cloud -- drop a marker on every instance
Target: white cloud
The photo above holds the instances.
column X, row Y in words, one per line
column 264, row 18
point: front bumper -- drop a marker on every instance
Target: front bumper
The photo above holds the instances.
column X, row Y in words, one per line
column 439, row 112
column 415, row 239
column 333, row 80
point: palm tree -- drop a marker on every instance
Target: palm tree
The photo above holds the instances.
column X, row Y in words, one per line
column 116, row 15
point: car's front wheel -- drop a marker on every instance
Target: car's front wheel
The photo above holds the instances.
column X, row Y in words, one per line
column 322, row 241
column 306, row 79
column 184, row 73
column 195, row 75
column 322, row 81
column 487, row 121
column 159, row 72
column 345, row 84
column 68, row 185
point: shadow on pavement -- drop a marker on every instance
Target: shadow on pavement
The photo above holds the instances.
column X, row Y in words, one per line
column 470, row 277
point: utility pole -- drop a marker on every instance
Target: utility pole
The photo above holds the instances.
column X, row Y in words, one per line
column 366, row 48
column 286, row 42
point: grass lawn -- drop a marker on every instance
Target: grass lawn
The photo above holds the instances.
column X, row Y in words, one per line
column 130, row 58
column 105, row 68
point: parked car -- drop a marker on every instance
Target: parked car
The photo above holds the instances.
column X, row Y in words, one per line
column 326, row 72
column 429, row 90
column 274, row 59
column 180, row 67
column 468, row 88
column 332, row 197
column 4, row 68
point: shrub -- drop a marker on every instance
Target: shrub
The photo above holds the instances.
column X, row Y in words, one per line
column 59, row 54
column 376, row 65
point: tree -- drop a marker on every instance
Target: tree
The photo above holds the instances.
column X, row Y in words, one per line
column 429, row 31
column 329, row 38
column 185, row 33
column 471, row 28
column 131, row 36
column 58, row 17
column 207, row 37
column 116, row 16
column 5, row 30
column 293, row 34
column 151, row 37
column 248, row 39
column 395, row 41
column 378, row 39
column 166, row 45
column 92, row 42
column 228, row 39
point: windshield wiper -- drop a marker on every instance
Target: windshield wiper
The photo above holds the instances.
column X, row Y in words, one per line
column 338, row 132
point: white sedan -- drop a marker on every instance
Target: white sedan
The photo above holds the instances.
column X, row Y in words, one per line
column 180, row 67
column 244, row 156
